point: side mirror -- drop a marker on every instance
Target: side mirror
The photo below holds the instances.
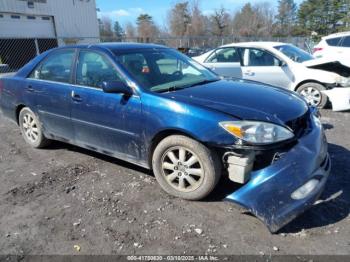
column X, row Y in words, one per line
column 117, row 87
column 282, row 63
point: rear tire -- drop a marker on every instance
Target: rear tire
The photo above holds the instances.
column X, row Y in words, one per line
column 313, row 94
column 31, row 129
column 185, row 168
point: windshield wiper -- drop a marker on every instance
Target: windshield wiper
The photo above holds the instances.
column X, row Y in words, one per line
column 176, row 88
column 207, row 81
column 170, row 89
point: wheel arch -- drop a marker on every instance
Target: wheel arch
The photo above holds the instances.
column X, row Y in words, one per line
column 18, row 110
column 163, row 134
column 308, row 81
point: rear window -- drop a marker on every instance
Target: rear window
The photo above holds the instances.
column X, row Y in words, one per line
column 56, row 67
column 346, row 42
column 333, row 41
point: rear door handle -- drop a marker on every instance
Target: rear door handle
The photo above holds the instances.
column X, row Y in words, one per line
column 76, row 97
column 30, row 89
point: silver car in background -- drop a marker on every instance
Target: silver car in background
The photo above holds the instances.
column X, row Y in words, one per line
column 284, row 65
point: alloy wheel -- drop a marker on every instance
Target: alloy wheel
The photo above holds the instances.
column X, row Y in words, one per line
column 312, row 96
column 30, row 128
column 182, row 169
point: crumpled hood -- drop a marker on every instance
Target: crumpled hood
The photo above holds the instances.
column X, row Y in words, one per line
column 338, row 67
column 245, row 100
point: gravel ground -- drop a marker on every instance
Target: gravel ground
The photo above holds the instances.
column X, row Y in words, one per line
column 54, row 199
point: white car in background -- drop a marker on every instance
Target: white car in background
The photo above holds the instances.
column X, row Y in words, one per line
column 335, row 46
column 286, row 66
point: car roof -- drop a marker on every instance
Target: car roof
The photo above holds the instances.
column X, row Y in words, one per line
column 265, row 44
column 337, row 35
column 115, row 47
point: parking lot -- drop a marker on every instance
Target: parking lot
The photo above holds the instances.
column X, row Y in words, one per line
column 63, row 196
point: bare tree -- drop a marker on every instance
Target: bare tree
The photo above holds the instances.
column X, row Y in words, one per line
column 130, row 31
column 106, row 27
column 254, row 20
column 220, row 22
column 197, row 20
column 265, row 18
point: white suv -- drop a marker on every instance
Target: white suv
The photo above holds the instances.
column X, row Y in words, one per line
column 335, row 46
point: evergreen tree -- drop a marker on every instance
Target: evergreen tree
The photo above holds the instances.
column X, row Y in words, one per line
column 286, row 17
column 118, row 30
column 324, row 16
column 146, row 28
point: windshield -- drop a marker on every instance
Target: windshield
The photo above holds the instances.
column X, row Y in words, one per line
column 162, row 70
column 294, row 53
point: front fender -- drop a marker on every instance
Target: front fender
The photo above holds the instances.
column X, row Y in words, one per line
column 315, row 75
column 166, row 114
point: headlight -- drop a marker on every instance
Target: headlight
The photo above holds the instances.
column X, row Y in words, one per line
column 343, row 81
column 257, row 132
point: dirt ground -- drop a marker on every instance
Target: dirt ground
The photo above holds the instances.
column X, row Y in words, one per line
column 53, row 199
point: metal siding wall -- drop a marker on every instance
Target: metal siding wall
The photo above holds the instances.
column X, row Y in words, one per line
column 75, row 20
column 16, row 6
column 72, row 18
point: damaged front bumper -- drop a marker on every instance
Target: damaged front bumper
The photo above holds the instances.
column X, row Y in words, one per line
column 280, row 192
column 339, row 97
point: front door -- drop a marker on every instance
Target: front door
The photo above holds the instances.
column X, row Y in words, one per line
column 260, row 65
column 104, row 122
column 225, row 62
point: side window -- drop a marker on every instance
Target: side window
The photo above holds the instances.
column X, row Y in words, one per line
column 57, row 67
column 93, row 68
column 224, row 55
column 137, row 65
column 258, row 57
column 333, row 41
column 346, row 41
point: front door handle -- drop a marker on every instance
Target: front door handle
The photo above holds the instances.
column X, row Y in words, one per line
column 76, row 97
column 249, row 73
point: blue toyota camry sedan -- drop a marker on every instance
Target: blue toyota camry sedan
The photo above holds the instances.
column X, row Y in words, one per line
column 154, row 107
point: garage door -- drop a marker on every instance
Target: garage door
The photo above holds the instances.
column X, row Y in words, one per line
column 31, row 26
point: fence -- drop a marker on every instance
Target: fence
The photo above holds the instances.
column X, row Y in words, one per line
column 211, row 41
column 16, row 52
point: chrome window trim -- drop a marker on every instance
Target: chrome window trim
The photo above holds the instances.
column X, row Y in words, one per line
column 73, row 85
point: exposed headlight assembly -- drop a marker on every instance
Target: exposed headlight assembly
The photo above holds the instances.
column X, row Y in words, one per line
column 257, row 132
column 343, row 81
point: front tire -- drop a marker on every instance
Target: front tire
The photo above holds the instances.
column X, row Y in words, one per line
column 31, row 128
column 185, row 168
column 313, row 94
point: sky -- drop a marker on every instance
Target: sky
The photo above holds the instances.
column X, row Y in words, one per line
column 128, row 10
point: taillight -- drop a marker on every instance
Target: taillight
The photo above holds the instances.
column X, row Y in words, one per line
column 316, row 49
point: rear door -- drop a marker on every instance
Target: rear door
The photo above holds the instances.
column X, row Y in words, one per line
column 260, row 65
column 345, row 47
column 49, row 86
column 225, row 62
column 105, row 122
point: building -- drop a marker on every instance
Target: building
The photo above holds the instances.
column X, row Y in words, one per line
column 33, row 26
